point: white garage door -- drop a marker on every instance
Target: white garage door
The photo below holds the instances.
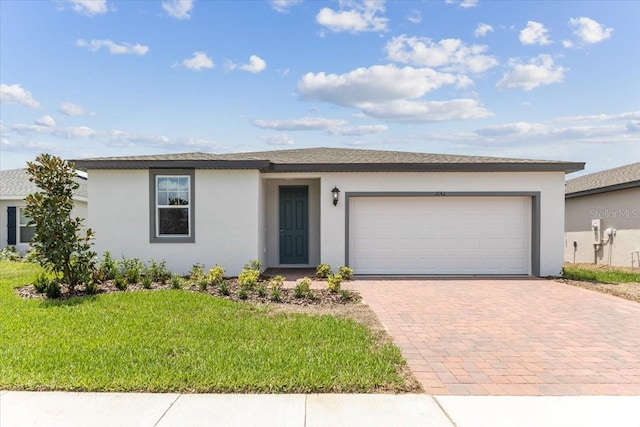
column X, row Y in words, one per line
column 440, row 235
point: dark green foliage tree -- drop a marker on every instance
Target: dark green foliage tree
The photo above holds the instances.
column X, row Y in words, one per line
column 60, row 244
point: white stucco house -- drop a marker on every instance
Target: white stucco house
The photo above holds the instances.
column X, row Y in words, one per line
column 379, row 212
column 14, row 187
column 602, row 217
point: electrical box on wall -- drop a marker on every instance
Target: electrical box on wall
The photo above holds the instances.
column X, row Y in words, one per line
column 596, row 228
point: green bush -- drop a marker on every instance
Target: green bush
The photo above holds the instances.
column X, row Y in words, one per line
column 345, row 295
column 30, row 257
column 202, row 284
column 254, row 264
column 131, row 270
column 176, row 282
column 91, row 287
column 261, row 289
column 121, row 283
column 276, row 294
column 41, row 282
column 216, row 275
column 146, row 282
column 248, row 278
column 302, row 288
column 223, row 287
column 333, row 283
column 323, row 271
column 158, row 272
column 52, row 290
column 345, row 272
column 108, row 266
column 9, row 254
column 197, row 273
column 242, row 294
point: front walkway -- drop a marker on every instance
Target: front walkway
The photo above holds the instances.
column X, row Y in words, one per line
column 510, row 337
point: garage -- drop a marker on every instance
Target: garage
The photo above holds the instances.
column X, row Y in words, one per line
column 471, row 235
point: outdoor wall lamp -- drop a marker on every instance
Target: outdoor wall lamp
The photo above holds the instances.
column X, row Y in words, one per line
column 335, row 193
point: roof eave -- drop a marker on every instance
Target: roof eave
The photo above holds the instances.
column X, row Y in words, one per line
column 599, row 190
column 172, row 164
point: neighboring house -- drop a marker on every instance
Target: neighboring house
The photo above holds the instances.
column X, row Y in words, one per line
column 14, row 187
column 393, row 212
column 602, row 217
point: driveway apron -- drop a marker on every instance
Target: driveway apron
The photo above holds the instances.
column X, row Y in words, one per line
column 510, row 336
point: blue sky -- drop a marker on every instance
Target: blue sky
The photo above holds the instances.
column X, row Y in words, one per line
column 539, row 79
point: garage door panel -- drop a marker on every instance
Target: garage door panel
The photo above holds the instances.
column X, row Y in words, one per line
column 434, row 235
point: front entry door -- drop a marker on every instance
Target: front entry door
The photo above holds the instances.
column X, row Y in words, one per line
column 294, row 225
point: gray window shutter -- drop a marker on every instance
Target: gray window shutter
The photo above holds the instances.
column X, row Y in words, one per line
column 11, row 225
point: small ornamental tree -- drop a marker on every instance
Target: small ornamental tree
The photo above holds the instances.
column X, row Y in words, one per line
column 60, row 244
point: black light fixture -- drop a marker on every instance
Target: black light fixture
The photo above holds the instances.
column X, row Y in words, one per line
column 335, row 193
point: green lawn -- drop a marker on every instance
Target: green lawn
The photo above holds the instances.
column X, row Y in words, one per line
column 180, row 341
column 609, row 275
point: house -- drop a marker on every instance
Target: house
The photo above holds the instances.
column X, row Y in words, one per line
column 602, row 217
column 14, row 187
column 379, row 212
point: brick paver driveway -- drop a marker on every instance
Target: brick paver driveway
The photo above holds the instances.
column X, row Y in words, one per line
column 510, row 337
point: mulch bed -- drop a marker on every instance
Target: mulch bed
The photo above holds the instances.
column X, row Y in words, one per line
column 321, row 296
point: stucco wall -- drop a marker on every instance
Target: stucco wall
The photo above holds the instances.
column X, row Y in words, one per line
column 619, row 210
column 79, row 210
column 226, row 219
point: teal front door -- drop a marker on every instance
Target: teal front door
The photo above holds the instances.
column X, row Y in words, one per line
column 294, row 225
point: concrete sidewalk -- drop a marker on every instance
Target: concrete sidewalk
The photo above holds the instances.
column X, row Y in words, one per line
column 145, row 409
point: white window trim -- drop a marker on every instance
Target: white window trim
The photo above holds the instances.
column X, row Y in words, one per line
column 19, row 227
column 158, row 207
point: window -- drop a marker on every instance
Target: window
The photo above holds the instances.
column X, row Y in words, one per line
column 26, row 231
column 172, row 206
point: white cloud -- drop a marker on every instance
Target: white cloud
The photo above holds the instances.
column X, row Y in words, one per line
column 46, row 121
column 379, row 83
column 303, row 123
column 179, row 9
column 407, row 111
column 278, row 140
column 255, row 65
column 15, row 94
column 465, row 4
column 590, row 31
column 415, row 17
column 567, row 43
column 537, row 72
column 114, row 48
column 89, row 7
column 71, row 109
column 451, row 54
column 482, row 30
column 631, row 115
column 283, row 6
column 534, row 33
column 357, row 130
column 198, row 61
column 61, row 132
column 354, row 17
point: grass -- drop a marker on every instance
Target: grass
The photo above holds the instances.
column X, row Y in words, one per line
column 609, row 275
column 181, row 341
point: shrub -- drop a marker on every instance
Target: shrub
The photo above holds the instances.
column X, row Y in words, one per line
column 9, row 254
column 303, row 288
column 323, row 271
column 216, row 275
column 202, row 284
column 52, row 290
column 276, row 282
column 223, row 287
column 242, row 294
column 91, row 287
column 158, row 272
column 131, row 269
column 30, row 257
column 121, row 283
column 41, row 283
column 345, row 295
column 176, row 282
column 261, row 289
column 276, row 294
column 108, row 266
column 197, row 273
column 254, row 264
column 248, row 278
column 345, row 272
column 333, row 283
column 60, row 243
column 146, row 282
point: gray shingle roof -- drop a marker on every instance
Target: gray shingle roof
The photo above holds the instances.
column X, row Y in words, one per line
column 607, row 180
column 328, row 159
column 15, row 184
